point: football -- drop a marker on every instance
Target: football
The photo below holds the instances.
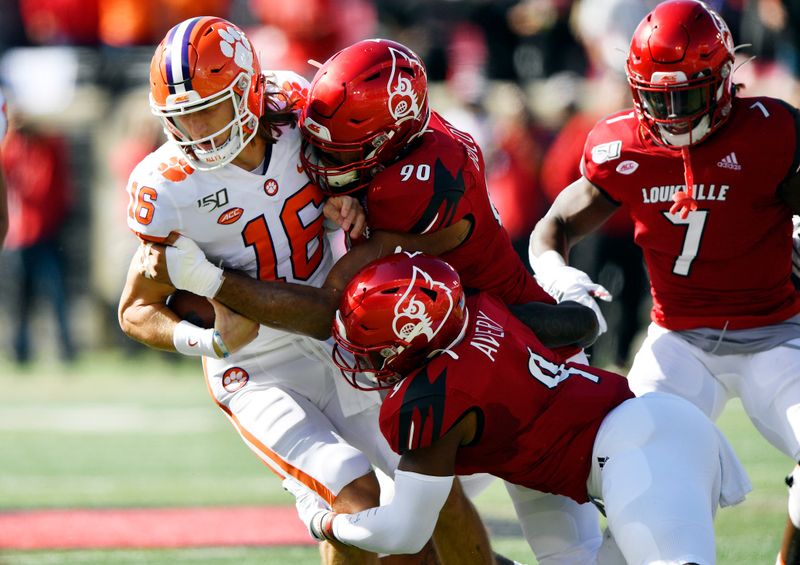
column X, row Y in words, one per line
column 192, row 308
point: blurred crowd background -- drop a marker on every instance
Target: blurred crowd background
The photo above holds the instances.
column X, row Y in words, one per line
column 528, row 78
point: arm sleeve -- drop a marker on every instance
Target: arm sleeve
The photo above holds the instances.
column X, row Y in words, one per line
column 402, row 526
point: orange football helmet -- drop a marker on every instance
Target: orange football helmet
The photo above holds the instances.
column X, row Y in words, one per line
column 202, row 62
column 395, row 313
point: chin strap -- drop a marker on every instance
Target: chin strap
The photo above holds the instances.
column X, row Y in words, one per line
column 684, row 200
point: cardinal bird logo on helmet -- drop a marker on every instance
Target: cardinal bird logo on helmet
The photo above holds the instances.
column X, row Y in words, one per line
column 410, row 318
column 403, row 103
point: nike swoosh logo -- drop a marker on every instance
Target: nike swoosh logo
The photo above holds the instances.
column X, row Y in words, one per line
column 192, row 343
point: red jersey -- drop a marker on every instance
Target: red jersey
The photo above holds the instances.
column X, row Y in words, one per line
column 537, row 414
column 729, row 262
column 440, row 182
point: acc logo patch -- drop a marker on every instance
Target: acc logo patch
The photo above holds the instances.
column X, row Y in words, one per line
column 230, row 216
column 234, row 378
column 606, row 152
column 627, row 167
column 271, row 187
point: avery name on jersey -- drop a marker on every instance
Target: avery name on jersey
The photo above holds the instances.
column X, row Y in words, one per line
column 488, row 334
column 658, row 194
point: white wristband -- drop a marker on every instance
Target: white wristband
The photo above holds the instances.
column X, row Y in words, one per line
column 194, row 340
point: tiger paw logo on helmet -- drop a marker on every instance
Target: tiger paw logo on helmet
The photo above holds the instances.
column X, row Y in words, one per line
column 294, row 93
column 233, row 45
column 176, row 169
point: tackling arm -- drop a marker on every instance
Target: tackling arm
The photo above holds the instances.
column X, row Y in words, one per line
column 557, row 325
column 308, row 310
column 422, row 485
column 382, row 243
column 290, row 307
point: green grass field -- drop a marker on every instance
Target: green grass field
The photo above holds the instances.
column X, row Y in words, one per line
column 111, row 432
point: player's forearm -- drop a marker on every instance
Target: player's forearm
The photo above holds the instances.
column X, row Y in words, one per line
column 290, row 307
column 568, row 323
column 549, row 234
column 402, row 526
column 152, row 325
column 143, row 313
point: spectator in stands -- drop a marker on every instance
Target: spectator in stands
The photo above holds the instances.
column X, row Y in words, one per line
column 38, row 186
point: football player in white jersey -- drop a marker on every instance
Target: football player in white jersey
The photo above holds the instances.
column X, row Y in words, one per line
column 3, row 197
column 230, row 178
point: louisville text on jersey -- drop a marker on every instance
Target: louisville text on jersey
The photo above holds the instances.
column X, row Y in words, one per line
column 664, row 193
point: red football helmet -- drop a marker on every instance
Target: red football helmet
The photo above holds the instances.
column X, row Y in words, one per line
column 395, row 313
column 679, row 68
column 365, row 105
column 202, row 62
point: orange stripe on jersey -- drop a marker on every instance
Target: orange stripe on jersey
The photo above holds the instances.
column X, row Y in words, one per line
column 264, row 451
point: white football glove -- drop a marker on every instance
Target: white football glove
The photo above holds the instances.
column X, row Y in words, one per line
column 312, row 510
column 189, row 269
column 796, row 246
column 563, row 283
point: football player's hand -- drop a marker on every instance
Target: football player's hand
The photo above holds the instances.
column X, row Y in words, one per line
column 563, row 283
column 796, row 247
column 235, row 330
column 312, row 510
column 188, row 269
column 346, row 212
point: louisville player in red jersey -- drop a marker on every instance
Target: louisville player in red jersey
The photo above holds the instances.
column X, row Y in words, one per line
column 471, row 389
column 711, row 181
column 369, row 131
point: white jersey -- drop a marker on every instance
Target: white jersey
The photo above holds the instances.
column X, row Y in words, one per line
column 252, row 221
column 241, row 219
column 267, row 223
